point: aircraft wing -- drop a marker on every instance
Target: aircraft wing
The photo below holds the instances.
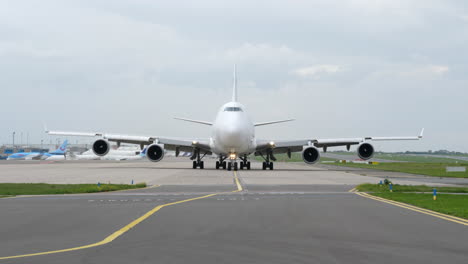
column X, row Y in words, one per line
column 287, row 146
column 169, row 143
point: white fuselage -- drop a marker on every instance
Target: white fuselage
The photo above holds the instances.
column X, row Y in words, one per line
column 233, row 132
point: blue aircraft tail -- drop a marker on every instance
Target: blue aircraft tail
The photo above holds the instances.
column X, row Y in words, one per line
column 143, row 152
column 61, row 150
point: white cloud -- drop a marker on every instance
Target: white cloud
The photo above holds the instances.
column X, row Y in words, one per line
column 317, row 70
column 262, row 53
column 427, row 71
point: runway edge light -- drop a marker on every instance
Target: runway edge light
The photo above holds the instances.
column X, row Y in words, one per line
column 434, row 194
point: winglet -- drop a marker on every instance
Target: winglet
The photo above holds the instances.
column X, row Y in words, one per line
column 45, row 127
column 234, row 86
column 421, row 134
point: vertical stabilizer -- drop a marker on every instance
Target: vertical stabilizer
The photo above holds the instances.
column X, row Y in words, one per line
column 61, row 150
column 234, row 86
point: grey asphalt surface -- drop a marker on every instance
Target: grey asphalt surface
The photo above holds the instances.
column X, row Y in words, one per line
column 274, row 222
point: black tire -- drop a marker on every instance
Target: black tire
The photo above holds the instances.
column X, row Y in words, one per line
column 241, row 165
column 235, row 166
column 202, row 165
column 224, row 165
column 229, row 166
column 194, row 164
column 264, row 165
column 217, row 165
column 271, row 165
column 248, row 165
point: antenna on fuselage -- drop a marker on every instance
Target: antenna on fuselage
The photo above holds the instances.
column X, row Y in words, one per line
column 234, row 86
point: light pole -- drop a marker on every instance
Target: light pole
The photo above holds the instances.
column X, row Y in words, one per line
column 14, row 138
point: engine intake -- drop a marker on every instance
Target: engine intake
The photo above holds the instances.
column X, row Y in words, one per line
column 311, row 155
column 155, row 153
column 365, row 151
column 101, row 147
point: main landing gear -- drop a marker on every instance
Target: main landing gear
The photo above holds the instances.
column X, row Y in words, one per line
column 198, row 163
column 221, row 163
column 267, row 164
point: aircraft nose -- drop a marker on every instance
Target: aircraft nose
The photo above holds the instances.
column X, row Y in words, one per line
column 231, row 136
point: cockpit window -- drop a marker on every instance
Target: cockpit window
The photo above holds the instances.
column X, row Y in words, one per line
column 233, row 109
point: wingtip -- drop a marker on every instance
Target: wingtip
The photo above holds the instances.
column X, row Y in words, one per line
column 45, row 128
column 422, row 133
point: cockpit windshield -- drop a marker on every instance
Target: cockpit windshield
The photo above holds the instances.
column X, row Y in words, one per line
column 233, row 109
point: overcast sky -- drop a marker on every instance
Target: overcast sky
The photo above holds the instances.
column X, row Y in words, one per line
column 341, row 68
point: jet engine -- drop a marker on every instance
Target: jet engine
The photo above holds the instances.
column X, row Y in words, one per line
column 310, row 155
column 155, row 153
column 365, row 151
column 101, row 147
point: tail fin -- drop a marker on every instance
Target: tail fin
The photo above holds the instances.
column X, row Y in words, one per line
column 62, row 149
column 143, row 152
column 234, row 86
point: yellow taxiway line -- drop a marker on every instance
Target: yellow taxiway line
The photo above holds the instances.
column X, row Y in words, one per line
column 113, row 236
column 238, row 184
column 446, row 217
column 126, row 228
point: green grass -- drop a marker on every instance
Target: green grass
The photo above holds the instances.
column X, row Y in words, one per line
column 429, row 169
column 367, row 187
column 295, row 157
column 8, row 189
column 423, row 159
column 404, row 157
column 452, row 204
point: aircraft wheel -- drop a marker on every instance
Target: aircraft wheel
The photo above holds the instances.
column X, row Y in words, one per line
column 217, row 165
column 229, row 166
column 194, row 164
column 224, row 165
column 202, row 165
column 271, row 165
column 264, row 165
column 248, row 165
column 235, row 166
column 241, row 165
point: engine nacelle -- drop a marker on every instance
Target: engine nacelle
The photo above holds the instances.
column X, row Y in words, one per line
column 365, row 151
column 155, row 153
column 310, row 155
column 101, row 147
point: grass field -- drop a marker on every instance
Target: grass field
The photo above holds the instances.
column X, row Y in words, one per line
column 452, row 204
column 429, row 169
column 8, row 189
column 367, row 187
column 423, row 159
column 406, row 158
column 295, row 157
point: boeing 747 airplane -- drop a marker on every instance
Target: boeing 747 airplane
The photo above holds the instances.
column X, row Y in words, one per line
column 232, row 140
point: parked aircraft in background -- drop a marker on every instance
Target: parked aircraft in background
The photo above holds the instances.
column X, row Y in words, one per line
column 232, row 139
column 122, row 153
column 58, row 153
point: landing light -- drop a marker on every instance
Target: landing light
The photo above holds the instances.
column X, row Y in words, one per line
column 272, row 143
column 232, row 156
column 194, row 142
